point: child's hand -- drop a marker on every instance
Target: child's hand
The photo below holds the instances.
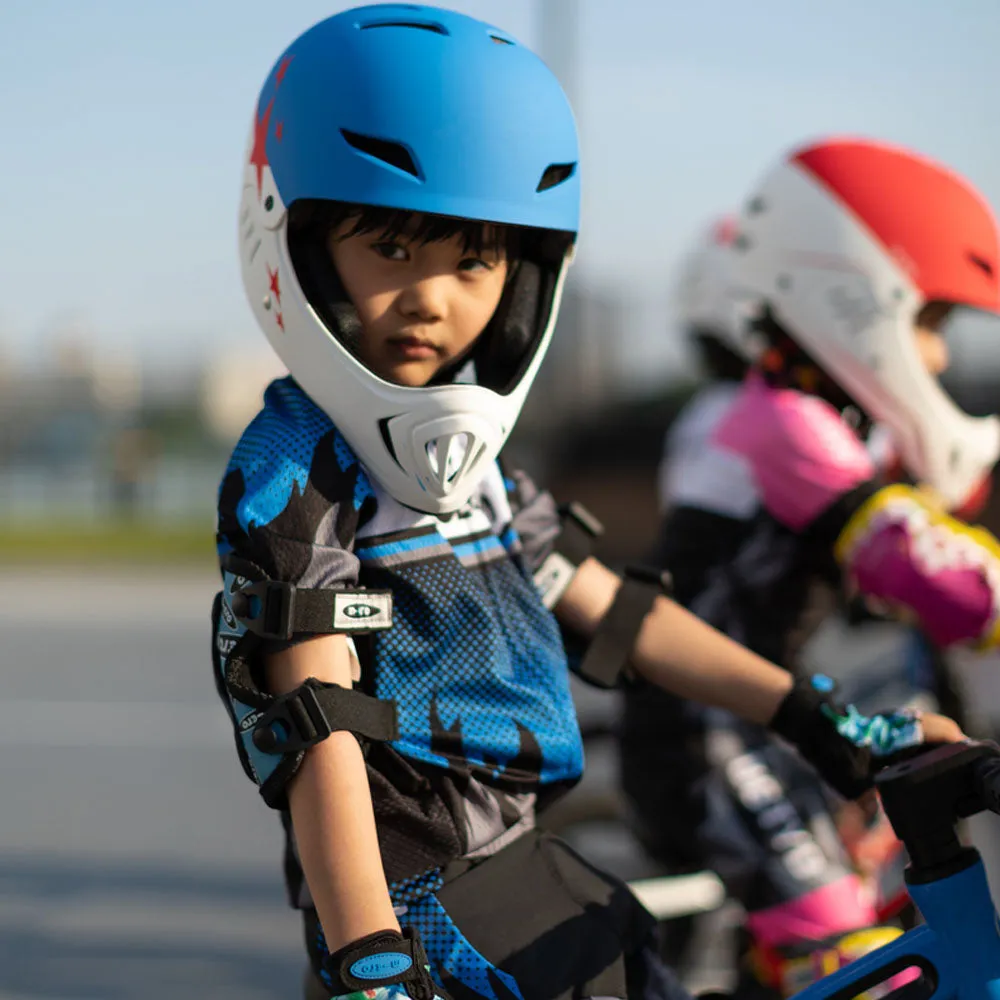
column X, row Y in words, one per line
column 940, row 729
column 393, row 992
column 846, row 746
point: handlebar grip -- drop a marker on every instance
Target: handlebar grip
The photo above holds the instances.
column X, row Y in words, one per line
column 925, row 796
column 988, row 781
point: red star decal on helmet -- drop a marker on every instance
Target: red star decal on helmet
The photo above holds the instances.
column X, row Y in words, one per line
column 282, row 70
column 279, row 131
column 280, row 320
column 258, row 155
column 275, row 283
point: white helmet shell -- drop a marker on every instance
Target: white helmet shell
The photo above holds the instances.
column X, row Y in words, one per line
column 705, row 294
column 845, row 242
column 402, row 107
column 428, row 447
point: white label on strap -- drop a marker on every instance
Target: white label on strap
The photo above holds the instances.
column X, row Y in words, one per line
column 553, row 577
column 357, row 611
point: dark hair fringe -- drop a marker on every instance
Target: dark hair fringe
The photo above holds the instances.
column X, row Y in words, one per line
column 513, row 242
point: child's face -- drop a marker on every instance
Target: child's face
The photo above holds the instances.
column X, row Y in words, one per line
column 421, row 306
column 931, row 345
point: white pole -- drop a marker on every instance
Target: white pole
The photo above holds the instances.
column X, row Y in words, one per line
column 560, row 27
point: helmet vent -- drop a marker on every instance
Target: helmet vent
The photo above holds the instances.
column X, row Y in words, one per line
column 450, row 456
column 500, row 40
column 554, row 174
column 437, row 29
column 395, row 154
column 984, row 265
column 383, row 429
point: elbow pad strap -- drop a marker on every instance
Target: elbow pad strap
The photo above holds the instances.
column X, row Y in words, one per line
column 271, row 609
column 273, row 733
column 578, row 531
column 607, row 657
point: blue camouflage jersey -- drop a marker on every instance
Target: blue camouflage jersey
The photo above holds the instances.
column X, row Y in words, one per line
column 474, row 661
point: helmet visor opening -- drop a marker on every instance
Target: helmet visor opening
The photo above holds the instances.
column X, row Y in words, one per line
column 972, row 341
column 506, row 347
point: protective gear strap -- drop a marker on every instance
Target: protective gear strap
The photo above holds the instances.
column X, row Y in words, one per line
column 306, row 716
column 385, row 958
column 271, row 609
column 281, row 729
column 607, row 657
column 274, row 732
column 578, row 531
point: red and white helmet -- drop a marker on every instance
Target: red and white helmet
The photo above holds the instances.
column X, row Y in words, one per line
column 705, row 304
column 845, row 241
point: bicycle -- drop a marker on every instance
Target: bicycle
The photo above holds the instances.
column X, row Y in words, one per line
column 956, row 951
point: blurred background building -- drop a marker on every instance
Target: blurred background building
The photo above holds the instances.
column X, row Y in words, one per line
column 129, row 362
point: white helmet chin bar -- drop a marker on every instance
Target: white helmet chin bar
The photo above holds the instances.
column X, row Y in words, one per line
column 852, row 307
column 428, row 447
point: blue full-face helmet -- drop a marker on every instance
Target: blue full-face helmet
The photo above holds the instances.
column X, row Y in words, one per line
column 423, row 110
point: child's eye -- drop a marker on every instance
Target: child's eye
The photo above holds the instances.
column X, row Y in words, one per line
column 391, row 251
column 475, row 264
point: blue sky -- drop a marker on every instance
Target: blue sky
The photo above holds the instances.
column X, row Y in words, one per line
column 123, row 125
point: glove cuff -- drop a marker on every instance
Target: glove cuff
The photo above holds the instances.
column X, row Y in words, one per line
column 385, row 958
column 810, row 719
column 796, row 715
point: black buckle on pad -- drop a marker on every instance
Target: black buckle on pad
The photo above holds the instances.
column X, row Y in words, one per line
column 274, row 614
column 302, row 719
column 582, row 517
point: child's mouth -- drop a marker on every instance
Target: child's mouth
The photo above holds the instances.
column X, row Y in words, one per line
column 414, row 348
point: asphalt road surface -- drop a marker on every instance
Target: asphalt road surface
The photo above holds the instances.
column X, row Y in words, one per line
column 136, row 860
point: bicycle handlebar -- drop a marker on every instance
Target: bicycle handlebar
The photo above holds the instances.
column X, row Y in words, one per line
column 957, row 949
column 925, row 797
column 988, row 777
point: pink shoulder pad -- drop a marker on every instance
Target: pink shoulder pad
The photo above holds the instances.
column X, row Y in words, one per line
column 802, row 454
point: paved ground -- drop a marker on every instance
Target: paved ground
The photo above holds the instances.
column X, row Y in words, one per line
column 135, row 859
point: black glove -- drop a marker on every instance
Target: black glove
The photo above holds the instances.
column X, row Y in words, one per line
column 841, row 743
column 391, row 963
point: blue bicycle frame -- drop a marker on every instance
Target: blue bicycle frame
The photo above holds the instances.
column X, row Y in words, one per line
column 957, row 949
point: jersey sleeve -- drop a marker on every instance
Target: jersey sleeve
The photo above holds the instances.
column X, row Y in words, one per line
column 290, row 504
column 293, row 495
column 535, row 518
column 696, row 473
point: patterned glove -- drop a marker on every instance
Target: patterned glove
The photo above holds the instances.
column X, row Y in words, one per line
column 839, row 741
column 386, row 965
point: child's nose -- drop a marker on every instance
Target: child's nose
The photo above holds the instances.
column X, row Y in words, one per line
column 425, row 299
